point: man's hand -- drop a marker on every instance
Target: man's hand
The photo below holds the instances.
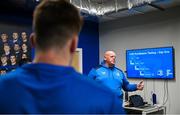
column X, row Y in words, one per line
column 140, row 85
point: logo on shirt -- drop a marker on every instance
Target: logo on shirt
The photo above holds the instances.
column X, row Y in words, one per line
column 103, row 72
column 118, row 74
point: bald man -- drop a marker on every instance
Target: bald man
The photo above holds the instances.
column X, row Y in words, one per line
column 112, row 77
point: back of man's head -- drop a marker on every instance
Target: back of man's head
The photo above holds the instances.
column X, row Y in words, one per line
column 55, row 22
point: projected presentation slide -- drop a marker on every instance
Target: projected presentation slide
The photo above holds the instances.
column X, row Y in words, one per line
column 150, row 63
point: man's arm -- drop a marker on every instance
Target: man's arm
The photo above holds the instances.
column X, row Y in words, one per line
column 130, row 86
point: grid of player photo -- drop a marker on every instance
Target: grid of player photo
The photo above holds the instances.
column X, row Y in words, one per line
column 15, row 50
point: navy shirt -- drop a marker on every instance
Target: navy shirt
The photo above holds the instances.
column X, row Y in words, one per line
column 44, row 88
column 113, row 78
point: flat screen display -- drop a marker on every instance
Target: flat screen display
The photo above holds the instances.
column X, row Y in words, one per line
column 152, row 63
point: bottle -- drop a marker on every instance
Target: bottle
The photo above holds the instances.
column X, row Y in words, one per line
column 154, row 98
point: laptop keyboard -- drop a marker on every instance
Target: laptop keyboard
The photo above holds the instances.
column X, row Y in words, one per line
column 146, row 106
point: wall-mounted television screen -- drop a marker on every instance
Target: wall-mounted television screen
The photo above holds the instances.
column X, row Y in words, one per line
column 152, row 63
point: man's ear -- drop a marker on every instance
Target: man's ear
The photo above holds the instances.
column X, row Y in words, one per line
column 105, row 58
column 33, row 40
column 74, row 43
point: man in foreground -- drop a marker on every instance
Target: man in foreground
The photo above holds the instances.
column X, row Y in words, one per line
column 49, row 85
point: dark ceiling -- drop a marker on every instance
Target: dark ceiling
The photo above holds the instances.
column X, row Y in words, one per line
column 157, row 6
column 24, row 8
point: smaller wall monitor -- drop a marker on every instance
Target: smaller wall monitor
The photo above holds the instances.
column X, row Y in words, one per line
column 151, row 63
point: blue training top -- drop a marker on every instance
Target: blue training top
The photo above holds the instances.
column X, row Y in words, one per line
column 43, row 88
column 113, row 78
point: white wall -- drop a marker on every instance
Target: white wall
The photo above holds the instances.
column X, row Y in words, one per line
column 154, row 29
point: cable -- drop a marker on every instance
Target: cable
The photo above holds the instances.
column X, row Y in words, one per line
column 164, row 97
column 166, row 92
column 145, row 90
column 153, row 85
column 167, row 98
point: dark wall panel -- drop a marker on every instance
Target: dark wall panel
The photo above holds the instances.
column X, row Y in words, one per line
column 89, row 41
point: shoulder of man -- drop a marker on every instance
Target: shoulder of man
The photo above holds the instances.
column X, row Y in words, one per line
column 118, row 69
column 105, row 98
column 94, row 69
column 8, row 86
column 97, row 67
column 11, row 76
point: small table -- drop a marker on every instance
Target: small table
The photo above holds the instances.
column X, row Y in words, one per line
column 152, row 109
